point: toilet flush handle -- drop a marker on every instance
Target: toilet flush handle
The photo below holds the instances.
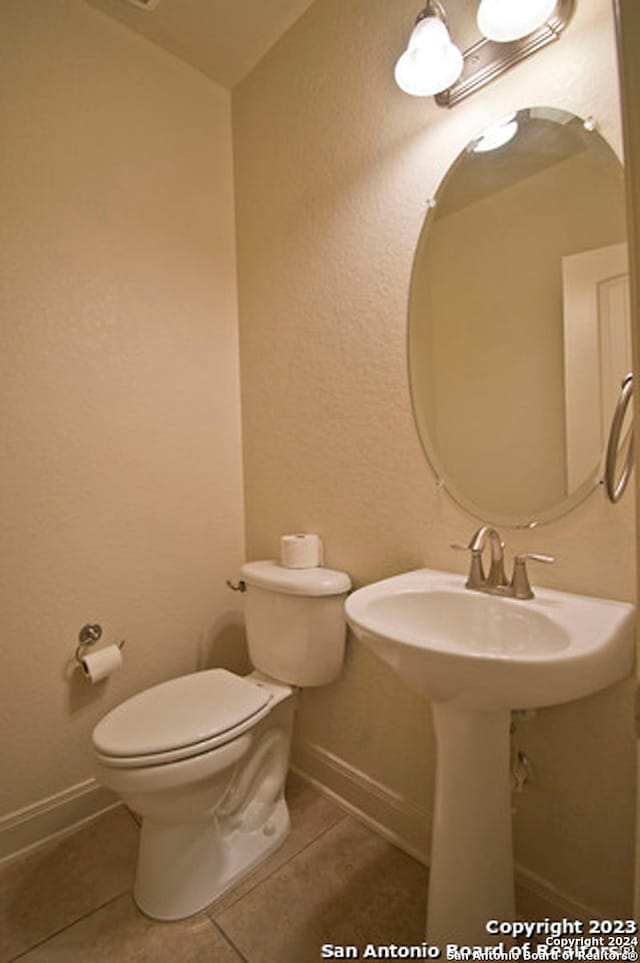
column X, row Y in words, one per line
column 240, row 586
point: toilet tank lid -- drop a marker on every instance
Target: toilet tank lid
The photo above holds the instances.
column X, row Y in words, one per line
column 295, row 581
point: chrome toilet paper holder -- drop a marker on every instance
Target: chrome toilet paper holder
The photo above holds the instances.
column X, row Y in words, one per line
column 88, row 635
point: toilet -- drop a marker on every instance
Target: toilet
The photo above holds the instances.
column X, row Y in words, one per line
column 203, row 758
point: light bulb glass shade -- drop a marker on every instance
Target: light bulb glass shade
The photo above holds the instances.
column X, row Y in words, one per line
column 505, row 20
column 430, row 63
column 497, row 135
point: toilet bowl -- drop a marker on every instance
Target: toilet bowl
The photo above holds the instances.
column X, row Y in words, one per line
column 203, row 758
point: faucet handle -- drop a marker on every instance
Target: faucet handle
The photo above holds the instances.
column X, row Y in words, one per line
column 520, row 580
column 535, row 557
column 476, row 577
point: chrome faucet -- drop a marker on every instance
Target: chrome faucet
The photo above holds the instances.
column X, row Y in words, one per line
column 496, row 576
column 496, row 582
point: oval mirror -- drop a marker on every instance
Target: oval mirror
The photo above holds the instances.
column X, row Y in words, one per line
column 518, row 330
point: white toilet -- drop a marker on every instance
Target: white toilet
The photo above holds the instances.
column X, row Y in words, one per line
column 203, row 758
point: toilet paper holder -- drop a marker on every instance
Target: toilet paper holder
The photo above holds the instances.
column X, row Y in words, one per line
column 89, row 635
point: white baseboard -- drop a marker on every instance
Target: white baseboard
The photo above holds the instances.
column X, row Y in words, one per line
column 50, row 818
column 537, row 898
column 386, row 811
column 407, row 826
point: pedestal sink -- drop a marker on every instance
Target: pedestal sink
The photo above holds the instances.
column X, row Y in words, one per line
column 476, row 657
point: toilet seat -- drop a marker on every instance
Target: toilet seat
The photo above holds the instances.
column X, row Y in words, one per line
column 180, row 719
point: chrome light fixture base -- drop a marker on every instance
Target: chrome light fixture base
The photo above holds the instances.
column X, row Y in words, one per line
column 488, row 59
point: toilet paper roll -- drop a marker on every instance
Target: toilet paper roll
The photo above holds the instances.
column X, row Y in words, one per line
column 300, row 551
column 99, row 665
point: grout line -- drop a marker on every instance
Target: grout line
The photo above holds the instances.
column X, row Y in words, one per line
column 228, row 941
column 67, row 926
column 275, row 870
column 136, row 818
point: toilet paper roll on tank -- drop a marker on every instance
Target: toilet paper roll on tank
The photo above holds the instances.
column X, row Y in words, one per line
column 301, row 550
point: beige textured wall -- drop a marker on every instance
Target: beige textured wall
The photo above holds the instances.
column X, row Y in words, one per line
column 333, row 168
column 120, row 489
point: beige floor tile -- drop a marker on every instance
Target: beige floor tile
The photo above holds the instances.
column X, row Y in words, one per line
column 312, row 814
column 59, row 883
column 348, row 887
column 119, row 933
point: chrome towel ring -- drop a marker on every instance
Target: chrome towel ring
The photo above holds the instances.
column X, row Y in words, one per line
column 615, row 489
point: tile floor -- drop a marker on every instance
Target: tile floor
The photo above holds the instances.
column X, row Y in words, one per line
column 333, row 881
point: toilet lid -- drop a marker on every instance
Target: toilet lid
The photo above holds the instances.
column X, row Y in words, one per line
column 192, row 711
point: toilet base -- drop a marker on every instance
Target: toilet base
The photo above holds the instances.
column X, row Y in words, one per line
column 184, row 868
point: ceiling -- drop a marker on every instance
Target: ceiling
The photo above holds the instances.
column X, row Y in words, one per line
column 224, row 39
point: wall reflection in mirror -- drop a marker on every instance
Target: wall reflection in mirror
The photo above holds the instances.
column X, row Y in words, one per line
column 518, row 330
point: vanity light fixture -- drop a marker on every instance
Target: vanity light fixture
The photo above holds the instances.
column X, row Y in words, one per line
column 512, row 29
column 431, row 63
column 504, row 20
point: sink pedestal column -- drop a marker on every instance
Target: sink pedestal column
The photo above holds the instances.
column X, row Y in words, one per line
column 471, row 874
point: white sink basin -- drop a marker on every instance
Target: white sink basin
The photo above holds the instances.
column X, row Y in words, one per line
column 485, row 651
column 476, row 657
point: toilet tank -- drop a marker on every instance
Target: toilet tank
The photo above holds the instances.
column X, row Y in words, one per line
column 295, row 620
